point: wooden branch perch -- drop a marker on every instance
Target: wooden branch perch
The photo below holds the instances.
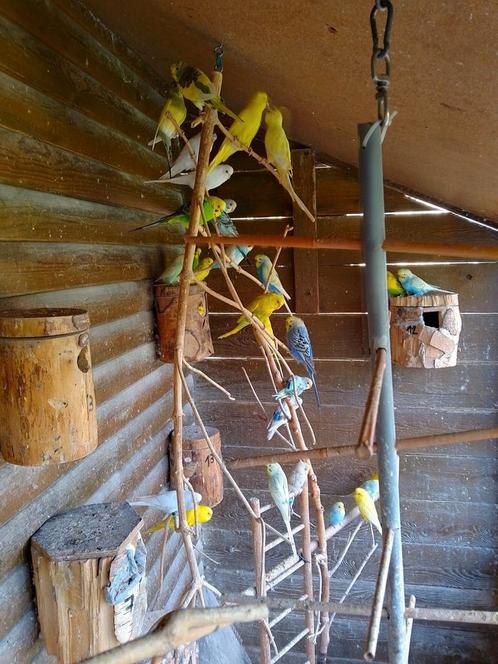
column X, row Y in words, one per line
column 365, row 447
column 178, row 628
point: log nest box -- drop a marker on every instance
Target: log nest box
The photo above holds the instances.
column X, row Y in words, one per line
column 425, row 330
column 89, row 574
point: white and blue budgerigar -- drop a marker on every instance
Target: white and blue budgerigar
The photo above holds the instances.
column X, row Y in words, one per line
column 263, row 269
column 236, row 254
column 299, row 343
column 281, row 416
column 294, row 385
column 297, row 479
column 414, row 285
column 279, row 490
column 166, row 502
column 224, row 224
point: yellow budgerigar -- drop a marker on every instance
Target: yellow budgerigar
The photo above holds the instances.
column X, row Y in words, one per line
column 198, row 88
column 204, row 514
column 203, row 269
column 367, row 508
column 262, row 307
column 243, row 129
column 394, row 288
column 174, row 107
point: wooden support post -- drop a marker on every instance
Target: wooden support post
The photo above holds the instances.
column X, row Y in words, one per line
column 257, row 527
column 307, row 296
column 309, row 620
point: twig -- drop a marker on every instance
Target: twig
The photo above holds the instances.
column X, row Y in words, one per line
column 345, row 550
column 209, row 380
column 367, row 431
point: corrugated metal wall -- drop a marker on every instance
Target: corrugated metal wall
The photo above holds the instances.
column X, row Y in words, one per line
column 448, row 494
column 77, row 110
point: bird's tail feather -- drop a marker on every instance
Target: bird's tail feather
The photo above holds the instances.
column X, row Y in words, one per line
column 315, row 388
column 291, row 537
column 153, row 223
column 220, row 106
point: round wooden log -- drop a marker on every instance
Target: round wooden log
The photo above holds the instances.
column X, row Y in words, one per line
column 47, row 397
column 425, row 330
column 198, row 342
column 207, row 476
column 73, row 555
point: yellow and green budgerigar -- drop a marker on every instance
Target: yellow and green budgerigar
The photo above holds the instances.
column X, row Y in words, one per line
column 367, row 508
column 279, row 490
column 174, row 107
column 195, row 260
column 212, row 207
column 204, row 514
column 203, row 269
column 262, row 307
column 244, row 129
column 394, row 288
column 197, row 87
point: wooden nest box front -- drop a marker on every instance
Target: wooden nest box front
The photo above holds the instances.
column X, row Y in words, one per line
column 425, row 330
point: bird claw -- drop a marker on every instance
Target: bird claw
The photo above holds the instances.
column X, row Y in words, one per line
column 200, row 119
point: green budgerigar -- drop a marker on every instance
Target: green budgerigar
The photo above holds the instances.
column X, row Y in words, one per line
column 212, row 208
column 279, row 490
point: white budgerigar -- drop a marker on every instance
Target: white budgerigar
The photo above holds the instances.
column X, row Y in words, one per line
column 215, row 178
column 279, row 490
column 184, row 163
column 297, row 479
column 165, row 502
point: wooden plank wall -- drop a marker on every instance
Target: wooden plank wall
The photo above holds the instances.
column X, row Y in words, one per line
column 448, row 494
column 78, row 108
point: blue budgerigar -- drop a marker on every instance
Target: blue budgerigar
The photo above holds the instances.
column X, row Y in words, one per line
column 224, row 224
column 281, row 416
column 299, row 342
column 294, row 385
column 236, row 253
column 371, row 486
column 334, row 516
column 263, row 268
column 414, row 285
column 279, row 490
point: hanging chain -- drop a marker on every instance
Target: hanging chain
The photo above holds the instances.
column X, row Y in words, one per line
column 218, row 57
column 381, row 62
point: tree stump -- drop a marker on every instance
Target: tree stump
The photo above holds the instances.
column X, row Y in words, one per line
column 425, row 330
column 198, row 342
column 75, row 555
column 47, row 398
column 200, row 466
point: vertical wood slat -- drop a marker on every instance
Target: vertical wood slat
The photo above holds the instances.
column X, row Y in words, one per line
column 305, row 260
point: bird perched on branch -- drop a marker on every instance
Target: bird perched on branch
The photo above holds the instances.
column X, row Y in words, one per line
column 204, row 514
column 294, row 385
column 203, row 269
column 263, row 269
column 281, row 415
column 224, row 224
column 297, row 479
column 262, row 307
column 166, row 502
column 174, row 107
column 211, row 209
column 394, row 288
column 279, row 490
column 334, row 516
column 214, row 179
column 236, row 254
column 244, row 129
column 367, row 508
column 184, row 163
column 278, row 150
column 197, row 87
column 299, row 343
column 414, row 285
column 371, row 486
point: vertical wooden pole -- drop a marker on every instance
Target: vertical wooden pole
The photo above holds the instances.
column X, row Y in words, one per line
column 307, row 296
column 309, row 618
column 185, row 277
column 257, row 538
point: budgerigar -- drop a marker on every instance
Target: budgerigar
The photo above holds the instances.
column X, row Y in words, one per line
column 224, row 224
column 212, row 208
column 294, row 384
column 236, row 254
column 280, row 416
column 174, row 106
column 171, row 274
column 367, row 507
column 334, row 516
column 263, row 268
column 203, row 269
column 279, row 490
column 214, row 179
column 414, row 285
column 204, row 514
column 195, row 260
column 198, row 88
column 166, row 502
column 394, row 288
column 262, row 307
column 299, row 343
column 278, row 149
column 184, row 162
column 297, row 479
column 371, row 486
column 244, row 129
